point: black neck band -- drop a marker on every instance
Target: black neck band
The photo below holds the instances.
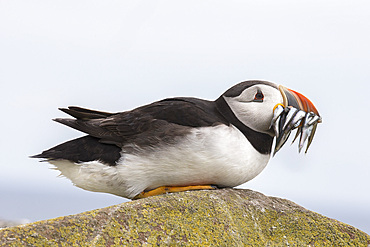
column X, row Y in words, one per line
column 260, row 141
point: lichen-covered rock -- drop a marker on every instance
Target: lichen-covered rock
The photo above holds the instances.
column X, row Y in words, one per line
column 228, row 217
column 9, row 223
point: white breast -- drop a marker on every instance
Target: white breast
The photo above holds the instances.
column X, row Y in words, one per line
column 219, row 155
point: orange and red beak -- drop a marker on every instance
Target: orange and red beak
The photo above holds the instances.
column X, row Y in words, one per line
column 297, row 100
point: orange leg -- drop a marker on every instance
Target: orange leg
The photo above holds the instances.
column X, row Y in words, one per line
column 171, row 189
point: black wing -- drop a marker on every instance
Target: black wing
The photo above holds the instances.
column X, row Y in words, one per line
column 160, row 121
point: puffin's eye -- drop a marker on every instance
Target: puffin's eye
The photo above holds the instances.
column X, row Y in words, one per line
column 259, row 96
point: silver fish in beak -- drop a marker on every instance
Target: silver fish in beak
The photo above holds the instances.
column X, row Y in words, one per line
column 296, row 112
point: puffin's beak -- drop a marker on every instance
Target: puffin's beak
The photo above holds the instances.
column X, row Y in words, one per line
column 297, row 111
column 298, row 101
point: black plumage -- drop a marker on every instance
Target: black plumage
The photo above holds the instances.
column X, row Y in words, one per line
column 160, row 123
column 83, row 149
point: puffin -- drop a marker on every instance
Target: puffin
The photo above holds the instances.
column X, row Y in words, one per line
column 182, row 143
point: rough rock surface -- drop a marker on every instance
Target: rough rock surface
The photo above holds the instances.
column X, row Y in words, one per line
column 228, row 217
column 9, row 223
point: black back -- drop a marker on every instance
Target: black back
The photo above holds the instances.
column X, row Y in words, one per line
column 162, row 122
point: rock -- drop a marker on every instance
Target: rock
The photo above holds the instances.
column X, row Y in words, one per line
column 9, row 223
column 227, row 217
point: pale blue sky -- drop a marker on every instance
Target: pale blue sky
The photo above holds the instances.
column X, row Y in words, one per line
column 117, row 55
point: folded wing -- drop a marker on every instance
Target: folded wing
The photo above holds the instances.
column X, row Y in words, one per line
column 160, row 121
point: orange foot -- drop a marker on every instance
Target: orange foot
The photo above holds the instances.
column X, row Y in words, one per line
column 171, row 189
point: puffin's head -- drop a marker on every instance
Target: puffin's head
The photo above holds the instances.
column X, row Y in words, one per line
column 262, row 106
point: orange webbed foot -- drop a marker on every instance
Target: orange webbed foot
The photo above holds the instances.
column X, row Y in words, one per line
column 172, row 189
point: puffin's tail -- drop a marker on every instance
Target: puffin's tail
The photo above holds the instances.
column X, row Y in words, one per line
column 83, row 149
column 84, row 114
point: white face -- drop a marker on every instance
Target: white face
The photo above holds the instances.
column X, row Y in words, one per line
column 254, row 106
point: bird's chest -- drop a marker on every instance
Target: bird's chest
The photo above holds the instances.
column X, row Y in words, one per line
column 229, row 156
column 219, row 155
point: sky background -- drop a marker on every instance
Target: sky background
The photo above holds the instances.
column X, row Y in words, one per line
column 117, row 55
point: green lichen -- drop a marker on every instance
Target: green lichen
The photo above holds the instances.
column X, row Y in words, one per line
column 198, row 218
